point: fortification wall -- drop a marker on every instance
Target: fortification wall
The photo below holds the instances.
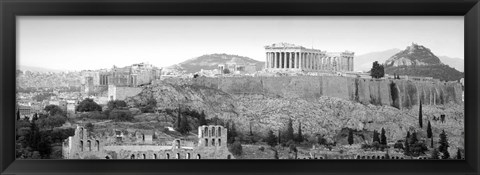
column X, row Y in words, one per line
column 397, row 93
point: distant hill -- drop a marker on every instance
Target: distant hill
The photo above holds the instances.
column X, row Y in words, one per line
column 417, row 60
column 211, row 61
column 364, row 62
column 456, row 63
column 38, row 69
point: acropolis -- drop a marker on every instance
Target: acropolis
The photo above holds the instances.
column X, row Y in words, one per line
column 285, row 56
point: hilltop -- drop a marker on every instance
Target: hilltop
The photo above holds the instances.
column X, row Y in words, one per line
column 211, row 61
column 418, row 60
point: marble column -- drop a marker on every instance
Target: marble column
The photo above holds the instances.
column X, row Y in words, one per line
column 284, row 61
column 297, row 62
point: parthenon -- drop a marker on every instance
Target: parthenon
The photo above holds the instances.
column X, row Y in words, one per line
column 285, row 56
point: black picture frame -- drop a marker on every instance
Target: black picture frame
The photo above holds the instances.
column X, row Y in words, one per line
column 9, row 9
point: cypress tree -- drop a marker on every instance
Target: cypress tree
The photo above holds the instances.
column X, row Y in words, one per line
column 431, row 142
column 420, row 117
column 18, row 114
column 251, row 133
column 443, row 148
column 300, row 135
column 435, row 154
column 407, row 144
column 35, row 117
column 383, row 140
column 202, row 121
column 350, row 137
column 376, row 137
column 429, row 130
column 279, row 136
column 459, row 154
column 271, row 139
column 289, row 135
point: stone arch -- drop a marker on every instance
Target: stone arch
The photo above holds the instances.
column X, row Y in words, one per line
column 206, row 131
column 177, row 156
column 144, row 156
column 132, row 156
column 229, row 156
column 98, row 145
column 107, row 157
column 358, row 157
column 368, row 157
column 378, row 157
column 219, row 132
column 219, row 142
column 198, row 156
column 187, row 156
column 167, row 156
column 213, row 142
column 89, row 145
column 178, row 143
column 81, row 145
column 154, row 156
column 212, row 132
column 206, row 142
column 81, row 133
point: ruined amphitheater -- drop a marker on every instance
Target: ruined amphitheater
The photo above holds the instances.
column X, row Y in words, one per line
column 210, row 144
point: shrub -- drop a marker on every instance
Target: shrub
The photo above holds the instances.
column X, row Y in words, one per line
column 120, row 115
column 88, row 105
column 236, row 148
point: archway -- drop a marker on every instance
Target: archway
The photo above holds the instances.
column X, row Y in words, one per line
column 198, row 156
column 229, row 157
column 144, row 156
column 177, row 155
column 167, row 156
column 187, row 156
column 154, row 156
column 132, row 156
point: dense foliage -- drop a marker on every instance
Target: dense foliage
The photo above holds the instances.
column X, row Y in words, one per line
column 377, row 70
column 88, row 105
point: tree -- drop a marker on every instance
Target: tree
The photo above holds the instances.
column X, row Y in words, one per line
column 184, row 126
column 420, row 117
column 300, row 135
column 202, row 121
column 443, row 147
column 350, row 137
column 88, row 105
column 376, row 138
column 35, row 117
column 459, row 154
column 116, row 104
column 429, row 130
column 383, row 140
column 54, row 110
column 236, row 148
column 289, row 134
column 271, row 139
column 407, row 144
column 225, row 71
column 89, row 127
column 435, row 154
column 431, row 142
column 377, row 70
column 51, row 122
column 231, row 133
column 279, row 136
column 18, row 114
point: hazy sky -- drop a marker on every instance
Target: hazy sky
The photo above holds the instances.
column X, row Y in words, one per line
column 77, row 43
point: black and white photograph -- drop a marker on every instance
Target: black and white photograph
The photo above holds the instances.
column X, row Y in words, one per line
column 240, row 87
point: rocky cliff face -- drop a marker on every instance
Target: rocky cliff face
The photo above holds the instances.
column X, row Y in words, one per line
column 322, row 115
column 396, row 93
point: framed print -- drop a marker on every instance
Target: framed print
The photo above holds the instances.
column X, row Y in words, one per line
column 279, row 87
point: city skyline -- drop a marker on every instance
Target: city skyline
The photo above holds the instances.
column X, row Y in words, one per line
column 94, row 42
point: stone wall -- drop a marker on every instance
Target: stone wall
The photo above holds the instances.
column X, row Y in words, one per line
column 122, row 92
column 366, row 91
column 84, row 146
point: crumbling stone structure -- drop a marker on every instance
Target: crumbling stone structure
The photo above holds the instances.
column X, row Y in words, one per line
column 211, row 144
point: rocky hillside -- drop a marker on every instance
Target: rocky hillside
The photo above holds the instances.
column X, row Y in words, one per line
column 417, row 60
column 211, row 61
column 414, row 55
column 326, row 115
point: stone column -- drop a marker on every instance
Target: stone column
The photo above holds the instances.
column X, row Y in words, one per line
column 298, row 60
column 284, row 61
column 292, row 55
column 276, row 60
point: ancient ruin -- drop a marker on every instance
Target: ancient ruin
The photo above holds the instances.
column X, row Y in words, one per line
column 285, row 56
column 211, row 144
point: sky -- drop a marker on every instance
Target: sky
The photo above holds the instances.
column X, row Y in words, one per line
column 94, row 42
